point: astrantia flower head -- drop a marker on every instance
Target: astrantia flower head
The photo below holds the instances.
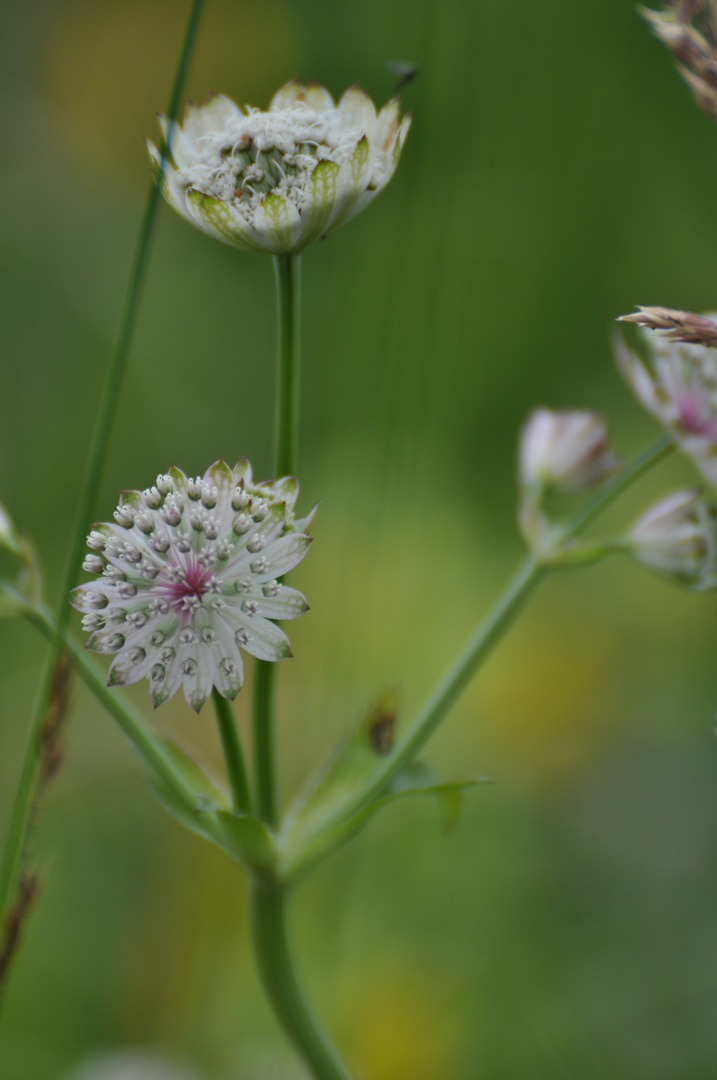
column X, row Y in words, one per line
column 679, row 387
column 275, row 181
column 187, row 575
column 568, row 450
column 678, row 537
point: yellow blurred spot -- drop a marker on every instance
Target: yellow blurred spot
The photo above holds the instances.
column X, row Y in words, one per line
column 399, row 1030
column 110, row 67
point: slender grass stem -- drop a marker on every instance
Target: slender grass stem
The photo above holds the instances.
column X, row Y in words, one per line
column 271, row 946
column 287, row 268
column 233, row 754
column 23, row 803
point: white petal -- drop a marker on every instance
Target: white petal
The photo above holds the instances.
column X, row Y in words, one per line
column 198, row 684
column 277, row 224
column 319, row 201
column 639, row 378
column 222, row 221
column 289, row 94
column 354, row 179
column 182, row 148
column 229, row 669
column 211, row 117
column 287, row 488
column 387, row 125
column 287, row 604
column 262, row 638
column 358, row 111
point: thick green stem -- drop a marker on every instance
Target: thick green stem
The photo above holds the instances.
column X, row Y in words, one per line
column 22, row 806
column 288, row 297
column 233, row 754
column 281, row 985
column 264, row 721
column 287, row 269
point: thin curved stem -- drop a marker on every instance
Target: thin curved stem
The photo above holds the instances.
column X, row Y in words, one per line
column 233, row 754
column 23, row 803
column 488, row 632
column 130, row 721
column 281, row 985
column 287, row 268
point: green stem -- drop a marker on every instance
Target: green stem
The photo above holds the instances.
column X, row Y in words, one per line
column 287, row 268
column 281, row 985
column 131, row 722
column 621, row 482
column 23, row 803
column 490, row 630
column 288, row 295
column 233, row 754
column 264, row 723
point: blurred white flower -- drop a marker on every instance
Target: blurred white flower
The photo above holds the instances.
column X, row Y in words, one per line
column 275, row 181
column 679, row 388
column 567, row 450
column 677, row 536
column 187, row 576
column 129, row 1065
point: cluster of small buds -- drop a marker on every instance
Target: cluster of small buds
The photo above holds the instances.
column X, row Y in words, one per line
column 188, row 574
column 678, row 537
column 275, row 181
column 567, row 451
column 678, row 386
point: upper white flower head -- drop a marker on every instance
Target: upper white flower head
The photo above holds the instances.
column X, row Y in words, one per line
column 677, row 537
column 188, row 574
column 567, row 450
column 276, row 181
column 679, row 388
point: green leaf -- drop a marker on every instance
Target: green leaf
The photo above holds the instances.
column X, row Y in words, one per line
column 328, row 799
column 243, row 837
column 247, row 839
column 12, row 605
column 208, row 798
column 324, row 817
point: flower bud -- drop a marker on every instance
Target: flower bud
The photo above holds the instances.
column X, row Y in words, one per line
column 567, row 450
column 677, row 537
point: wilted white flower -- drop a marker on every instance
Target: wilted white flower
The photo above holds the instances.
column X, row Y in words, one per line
column 568, row 450
column 275, row 181
column 678, row 537
column 679, row 388
column 188, row 575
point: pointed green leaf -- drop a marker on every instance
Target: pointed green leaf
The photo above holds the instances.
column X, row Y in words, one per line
column 416, row 779
column 246, row 839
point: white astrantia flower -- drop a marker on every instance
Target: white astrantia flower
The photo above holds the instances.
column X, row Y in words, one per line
column 567, row 450
column 678, row 537
column 679, row 387
column 275, row 181
column 187, row 575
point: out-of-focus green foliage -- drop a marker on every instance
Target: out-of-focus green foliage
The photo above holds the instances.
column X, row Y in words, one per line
column 557, row 173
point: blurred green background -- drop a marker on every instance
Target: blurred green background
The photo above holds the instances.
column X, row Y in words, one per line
column 556, row 174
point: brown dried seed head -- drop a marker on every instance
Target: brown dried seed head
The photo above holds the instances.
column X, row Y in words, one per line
column 676, row 324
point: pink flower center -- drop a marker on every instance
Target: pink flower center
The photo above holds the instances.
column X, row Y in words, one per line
column 695, row 417
column 193, row 584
